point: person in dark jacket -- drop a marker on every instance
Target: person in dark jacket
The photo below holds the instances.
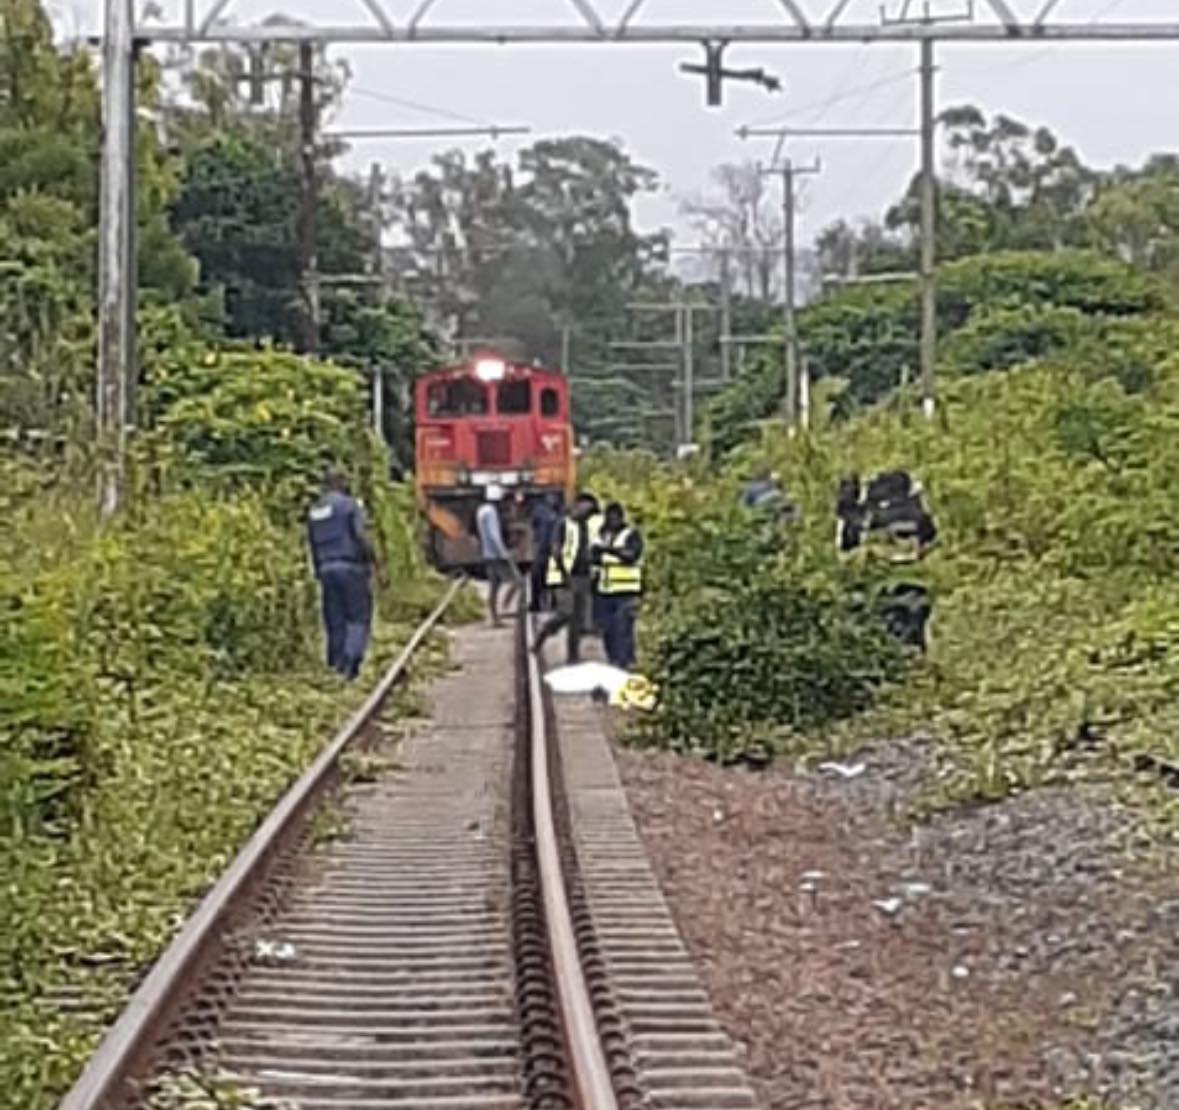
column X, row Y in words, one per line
column 570, row 576
column 545, row 515
column 619, row 556
column 344, row 562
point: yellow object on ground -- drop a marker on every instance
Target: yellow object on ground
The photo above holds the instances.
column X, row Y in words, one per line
column 636, row 692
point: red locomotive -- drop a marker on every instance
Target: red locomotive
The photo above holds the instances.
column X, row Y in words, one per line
column 489, row 421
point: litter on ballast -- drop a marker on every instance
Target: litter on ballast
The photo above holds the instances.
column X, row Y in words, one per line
column 273, row 951
column 843, row 770
column 890, row 907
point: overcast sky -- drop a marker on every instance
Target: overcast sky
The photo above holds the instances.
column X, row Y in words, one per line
column 1115, row 103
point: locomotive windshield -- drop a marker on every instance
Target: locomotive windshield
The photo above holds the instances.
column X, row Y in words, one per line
column 514, row 398
column 457, row 397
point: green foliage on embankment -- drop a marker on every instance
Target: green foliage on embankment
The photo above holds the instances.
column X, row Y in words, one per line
column 752, row 639
column 1056, row 627
column 160, row 677
column 994, row 311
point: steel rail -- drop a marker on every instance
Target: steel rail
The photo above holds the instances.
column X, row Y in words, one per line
column 131, row 1035
column 591, row 1074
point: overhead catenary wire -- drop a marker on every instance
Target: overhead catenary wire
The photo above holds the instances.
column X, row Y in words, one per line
column 416, row 105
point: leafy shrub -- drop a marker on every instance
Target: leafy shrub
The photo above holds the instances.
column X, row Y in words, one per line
column 263, row 419
column 994, row 311
column 1055, row 636
column 738, row 668
column 160, row 677
column 750, row 637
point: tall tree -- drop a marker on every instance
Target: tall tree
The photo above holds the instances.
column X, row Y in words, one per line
column 742, row 215
column 49, row 139
column 236, row 213
column 523, row 251
column 1007, row 186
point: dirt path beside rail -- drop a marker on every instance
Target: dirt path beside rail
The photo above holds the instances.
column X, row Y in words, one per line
column 1003, row 957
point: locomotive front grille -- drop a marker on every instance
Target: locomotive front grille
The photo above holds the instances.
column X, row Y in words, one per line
column 493, row 448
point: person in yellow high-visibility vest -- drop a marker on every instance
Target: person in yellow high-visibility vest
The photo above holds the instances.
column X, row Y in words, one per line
column 569, row 576
column 619, row 586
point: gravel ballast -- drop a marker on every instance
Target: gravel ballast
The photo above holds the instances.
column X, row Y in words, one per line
column 1003, row 956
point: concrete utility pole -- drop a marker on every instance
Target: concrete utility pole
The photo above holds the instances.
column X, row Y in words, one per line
column 379, row 402
column 116, row 254
column 685, row 384
column 566, row 348
column 788, row 171
column 928, row 232
column 689, row 375
column 307, row 262
column 726, row 307
column 376, row 181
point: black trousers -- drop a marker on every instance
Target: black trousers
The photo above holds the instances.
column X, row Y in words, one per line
column 540, row 600
column 574, row 603
column 619, row 614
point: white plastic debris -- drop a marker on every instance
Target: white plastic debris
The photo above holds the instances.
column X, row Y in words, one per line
column 890, row 907
column 917, row 890
column 843, row 770
column 961, row 971
column 813, row 876
column 274, row 951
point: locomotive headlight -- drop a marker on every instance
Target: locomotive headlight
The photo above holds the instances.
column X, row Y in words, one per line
column 490, row 369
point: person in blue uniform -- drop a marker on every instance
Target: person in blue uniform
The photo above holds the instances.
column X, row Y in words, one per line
column 344, row 562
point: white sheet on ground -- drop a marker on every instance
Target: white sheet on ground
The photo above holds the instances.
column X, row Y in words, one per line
column 585, row 678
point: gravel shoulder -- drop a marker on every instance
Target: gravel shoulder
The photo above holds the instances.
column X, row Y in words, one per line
column 1005, row 956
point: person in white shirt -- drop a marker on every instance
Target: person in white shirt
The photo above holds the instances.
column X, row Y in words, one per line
column 497, row 559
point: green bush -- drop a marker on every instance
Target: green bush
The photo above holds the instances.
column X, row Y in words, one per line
column 747, row 669
column 261, row 419
column 752, row 636
column 994, row 311
column 160, row 674
column 1055, row 636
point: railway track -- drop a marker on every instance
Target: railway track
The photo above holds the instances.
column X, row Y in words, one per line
column 485, row 935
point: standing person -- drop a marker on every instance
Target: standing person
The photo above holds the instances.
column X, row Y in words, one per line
column 497, row 559
column 344, row 561
column 569, row 575
column 545, row 515
column 620, row 586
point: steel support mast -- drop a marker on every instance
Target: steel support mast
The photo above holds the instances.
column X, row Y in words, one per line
column 116, row 253
column 928, row 231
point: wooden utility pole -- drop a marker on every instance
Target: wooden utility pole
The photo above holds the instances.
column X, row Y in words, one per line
column 307, row 263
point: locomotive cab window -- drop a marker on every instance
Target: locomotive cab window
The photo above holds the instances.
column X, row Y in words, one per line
column 514, row 398
column 550, row 402
column 460, row 397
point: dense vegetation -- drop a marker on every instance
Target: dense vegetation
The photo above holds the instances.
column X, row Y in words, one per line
column 160, row 673
column 1050, row 468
